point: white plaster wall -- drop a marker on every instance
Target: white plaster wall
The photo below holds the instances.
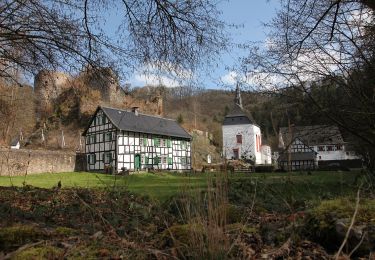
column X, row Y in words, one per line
column 258, row 154
column 248, row 146
column 335, row 155
column 266, row 154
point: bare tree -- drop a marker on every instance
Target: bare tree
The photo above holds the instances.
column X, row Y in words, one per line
column 66, row 34
column 325, row 51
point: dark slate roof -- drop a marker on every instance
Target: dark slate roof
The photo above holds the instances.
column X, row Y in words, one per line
column 298, row 156
column 128, row 121
column 14, row 142
column 313, row 135
column 237, row 117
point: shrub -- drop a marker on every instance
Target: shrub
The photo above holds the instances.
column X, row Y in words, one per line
column 321, row 222
column 12, row 237
column 40, row 252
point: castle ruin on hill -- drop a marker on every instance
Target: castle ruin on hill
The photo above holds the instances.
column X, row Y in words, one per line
column 57, row 92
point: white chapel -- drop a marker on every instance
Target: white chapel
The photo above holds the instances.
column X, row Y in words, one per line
column 242, row 137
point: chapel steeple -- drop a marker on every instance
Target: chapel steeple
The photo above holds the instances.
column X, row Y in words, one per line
column 237, row 99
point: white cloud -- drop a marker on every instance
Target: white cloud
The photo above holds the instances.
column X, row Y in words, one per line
column 230, row 78
column 161, row 74
column 256, row 80
column 155, row 80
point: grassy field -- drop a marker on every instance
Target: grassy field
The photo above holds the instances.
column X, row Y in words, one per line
column 164, row 185
column 262, row 210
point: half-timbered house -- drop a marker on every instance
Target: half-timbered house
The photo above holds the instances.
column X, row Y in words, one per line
column 321, row 144
column 128, row 140
column 297, row 156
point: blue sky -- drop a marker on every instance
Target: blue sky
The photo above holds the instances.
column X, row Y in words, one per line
column 248, row 13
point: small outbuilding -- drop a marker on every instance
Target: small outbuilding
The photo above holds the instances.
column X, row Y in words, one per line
column 15, row 144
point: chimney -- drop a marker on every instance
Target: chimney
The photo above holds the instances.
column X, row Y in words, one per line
column 135, row 110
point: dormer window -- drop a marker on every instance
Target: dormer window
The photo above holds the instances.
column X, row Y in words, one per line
column 239, row 139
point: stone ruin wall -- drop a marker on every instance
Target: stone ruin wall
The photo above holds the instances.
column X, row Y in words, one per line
column 107, row 83
column 49, row 85
column 23, row 161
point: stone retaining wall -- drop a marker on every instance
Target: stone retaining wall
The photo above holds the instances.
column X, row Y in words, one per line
column 19, row 162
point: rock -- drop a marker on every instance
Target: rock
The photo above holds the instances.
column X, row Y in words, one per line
column 65, row 245
column 358, row 231
column 341, row 226
column 98, row 235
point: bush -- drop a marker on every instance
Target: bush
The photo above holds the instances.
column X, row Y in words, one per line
column 40, row 252
column 264, row 168
column 180, row 119
column 13, row 237
column 321, row 223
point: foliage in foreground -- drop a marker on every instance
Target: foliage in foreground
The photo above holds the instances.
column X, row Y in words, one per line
column 230, row 218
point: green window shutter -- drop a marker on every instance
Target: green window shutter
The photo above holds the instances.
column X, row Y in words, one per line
column 103, row 120
column 144, row 141
column 146, row 160
column 156, row 160
column 170, row 160
column 168, row 143
column 156, row 142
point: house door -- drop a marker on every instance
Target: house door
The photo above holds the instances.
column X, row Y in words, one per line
column 235, row 154
column 137, row 162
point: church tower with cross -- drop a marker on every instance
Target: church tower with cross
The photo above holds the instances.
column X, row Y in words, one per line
column 242, row 137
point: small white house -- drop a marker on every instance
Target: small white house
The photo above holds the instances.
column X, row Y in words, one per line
column 242, row 138
column 15, row 144
column 122, row 139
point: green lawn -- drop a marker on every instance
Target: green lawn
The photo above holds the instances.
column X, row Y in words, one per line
column 164, row 185
column 159, row 186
